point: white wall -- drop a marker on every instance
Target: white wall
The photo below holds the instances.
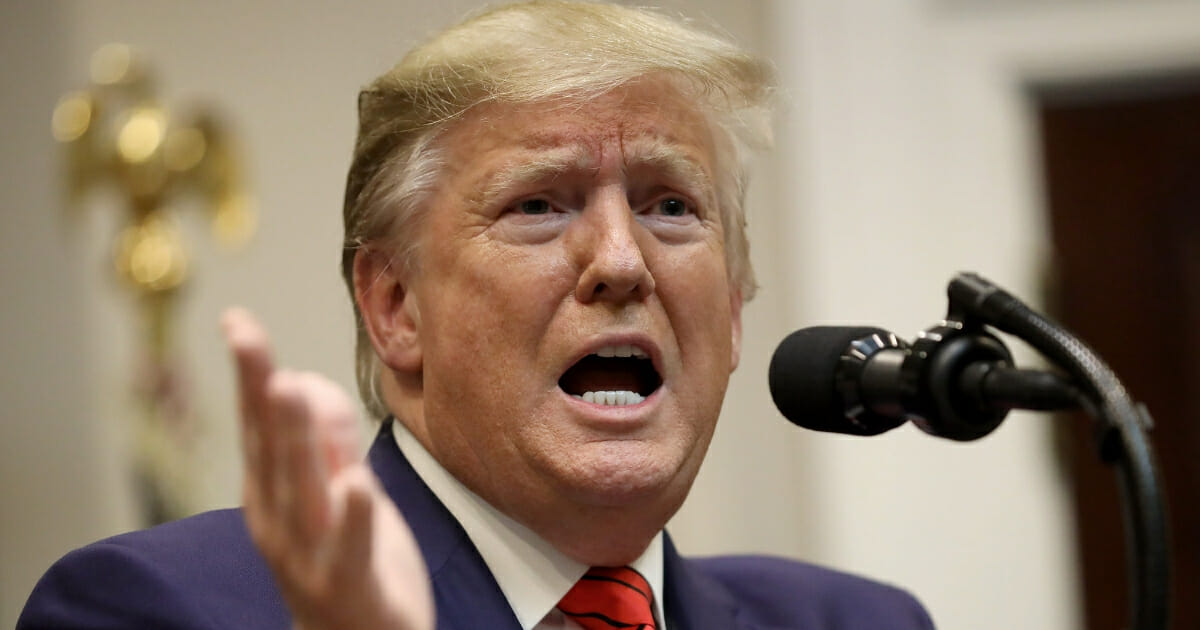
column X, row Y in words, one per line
column 54, row 485
column 904, row 155
column 915, row 159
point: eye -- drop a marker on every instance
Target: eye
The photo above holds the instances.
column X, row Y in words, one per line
column 533, row 206
column 673, row 207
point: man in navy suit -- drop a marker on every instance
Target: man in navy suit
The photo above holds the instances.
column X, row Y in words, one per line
column 545, row 245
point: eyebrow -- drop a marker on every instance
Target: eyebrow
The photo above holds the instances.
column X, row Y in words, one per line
column 643, row 153
column 677, row 164
column 521, row 172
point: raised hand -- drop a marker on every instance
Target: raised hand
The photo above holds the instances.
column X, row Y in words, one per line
column 340, row 551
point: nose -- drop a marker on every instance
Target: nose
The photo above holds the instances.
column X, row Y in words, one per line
column 614, row 267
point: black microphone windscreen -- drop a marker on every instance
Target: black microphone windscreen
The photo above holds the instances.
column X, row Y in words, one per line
column 803, row 379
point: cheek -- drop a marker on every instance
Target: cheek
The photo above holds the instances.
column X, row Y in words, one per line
column 488, row 319
column 695, row 286
column 696, row 298
column 493, row 306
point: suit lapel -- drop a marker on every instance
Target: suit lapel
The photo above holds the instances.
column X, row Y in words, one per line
column 695, row 601
column 464, row 590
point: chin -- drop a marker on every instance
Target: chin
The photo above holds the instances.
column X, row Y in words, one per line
column 626, row 473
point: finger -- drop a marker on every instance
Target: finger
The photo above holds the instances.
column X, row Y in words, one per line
column 354, row 541
column 247, row 341
column 336, row 423
column 300, row 488
column 248, row 344
column 374, row 543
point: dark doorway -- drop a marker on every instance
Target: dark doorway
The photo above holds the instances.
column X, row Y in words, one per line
column 1122, row 177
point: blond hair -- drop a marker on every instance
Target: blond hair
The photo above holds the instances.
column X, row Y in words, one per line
column 544, row 50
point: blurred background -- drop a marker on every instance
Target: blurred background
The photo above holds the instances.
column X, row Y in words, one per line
column 1052, row 146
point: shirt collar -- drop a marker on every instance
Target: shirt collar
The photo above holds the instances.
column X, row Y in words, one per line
column 531, row 573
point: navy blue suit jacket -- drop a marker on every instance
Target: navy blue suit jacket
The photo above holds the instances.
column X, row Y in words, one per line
column 204, row 572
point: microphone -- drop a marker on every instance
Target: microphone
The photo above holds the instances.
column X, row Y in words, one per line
column 952, row 381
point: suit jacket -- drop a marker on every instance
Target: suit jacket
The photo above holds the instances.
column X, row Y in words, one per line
column 204, row 572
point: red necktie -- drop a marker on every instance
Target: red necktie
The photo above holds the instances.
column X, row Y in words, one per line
column 610, row 597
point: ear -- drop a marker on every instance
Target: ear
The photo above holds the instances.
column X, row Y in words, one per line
column 735, row 324
column 389, row 310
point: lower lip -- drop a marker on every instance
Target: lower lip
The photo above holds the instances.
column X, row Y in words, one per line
column 623, row 414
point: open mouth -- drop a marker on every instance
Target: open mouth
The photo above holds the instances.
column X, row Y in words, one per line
column 613, row 375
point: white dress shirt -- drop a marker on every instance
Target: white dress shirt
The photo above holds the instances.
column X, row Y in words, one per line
column 531, row 573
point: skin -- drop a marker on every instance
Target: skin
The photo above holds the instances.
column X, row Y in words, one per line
column 558, row 229
column 341, row 554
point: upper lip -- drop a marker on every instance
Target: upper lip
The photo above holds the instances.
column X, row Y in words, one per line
column 637, row 340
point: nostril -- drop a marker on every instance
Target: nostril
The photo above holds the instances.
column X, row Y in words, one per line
column 601, row 280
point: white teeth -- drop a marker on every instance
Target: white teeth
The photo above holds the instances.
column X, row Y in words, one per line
column 622, row 351
column 616, row 399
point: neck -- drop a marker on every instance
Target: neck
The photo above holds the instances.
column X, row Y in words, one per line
column 595, row 535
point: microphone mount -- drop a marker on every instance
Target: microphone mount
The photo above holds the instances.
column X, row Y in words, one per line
column 1122, row 439
column 955, row 380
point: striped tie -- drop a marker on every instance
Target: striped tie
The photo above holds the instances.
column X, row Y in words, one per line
column 610, row 597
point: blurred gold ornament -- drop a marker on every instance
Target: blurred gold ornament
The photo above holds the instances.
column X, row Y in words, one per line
column 150, row 255
column 141, row 134
column 72, row 116
column 235, row 220
column 116, row 134
column 184, row 148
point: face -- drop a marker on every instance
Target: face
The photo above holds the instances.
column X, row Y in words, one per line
column 571, row 251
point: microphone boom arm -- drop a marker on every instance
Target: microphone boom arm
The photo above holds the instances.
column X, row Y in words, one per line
column 1123, row 443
